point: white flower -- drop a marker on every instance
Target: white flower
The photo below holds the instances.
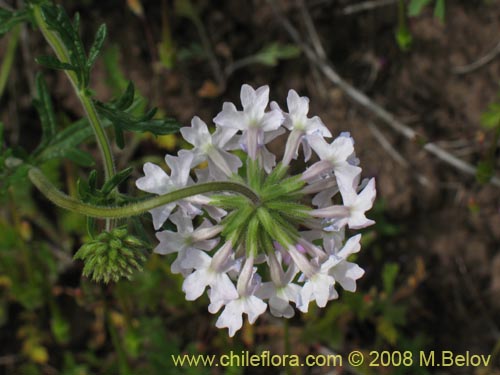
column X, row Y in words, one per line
column 344, row 272
column 156, row 181
column 352, row 212
column 253, row 121
column 246, row 302
column 209, row 272
column 281, row 290
column 300, row 126
column 318, row 285
column 333, row 156
column 221, row 163
column 186, row 238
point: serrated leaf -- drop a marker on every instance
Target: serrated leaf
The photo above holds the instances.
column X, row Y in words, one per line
column 116, row 180
column 126, row 121
column 43, row 105
column 52, row 62
column 416, row 7
column 96, row 47
column 58, row 21
column 9, row 19
column 126, row 99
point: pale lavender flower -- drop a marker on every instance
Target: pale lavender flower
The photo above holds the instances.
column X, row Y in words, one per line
column 300, row 126
column 220, row 240
column 253, row 121
column 333, row 156
column 245, row 303
column 211, row 147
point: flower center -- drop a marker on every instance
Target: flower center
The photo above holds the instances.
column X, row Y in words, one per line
column 276, row 217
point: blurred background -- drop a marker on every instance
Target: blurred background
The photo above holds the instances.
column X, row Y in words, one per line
column 416, row 84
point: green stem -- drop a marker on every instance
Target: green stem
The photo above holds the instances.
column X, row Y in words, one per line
column 62, row 54
column 9, row 58
column 59, row 198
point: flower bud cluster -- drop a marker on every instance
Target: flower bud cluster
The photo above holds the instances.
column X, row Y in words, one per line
column 286, row 249
column 112, row 256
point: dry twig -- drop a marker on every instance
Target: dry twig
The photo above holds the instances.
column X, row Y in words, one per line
column 489, row 57
column 366, row 6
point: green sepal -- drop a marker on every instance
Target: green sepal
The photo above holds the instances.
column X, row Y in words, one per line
column 277, row 174
column 289, row 209
column 252, row 236
column 255, row 174
column 236, row 220
column 269, row 224
column 229, row 201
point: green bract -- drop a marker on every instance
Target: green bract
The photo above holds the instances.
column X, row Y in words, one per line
column 275, row 217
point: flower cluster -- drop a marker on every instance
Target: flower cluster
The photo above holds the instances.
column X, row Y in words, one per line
column 286, row 243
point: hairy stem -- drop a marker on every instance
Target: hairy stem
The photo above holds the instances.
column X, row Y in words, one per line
column 62, row 54
column 59, row 198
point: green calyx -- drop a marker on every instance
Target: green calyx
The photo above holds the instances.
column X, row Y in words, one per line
column 276, row 216
column 112, row 256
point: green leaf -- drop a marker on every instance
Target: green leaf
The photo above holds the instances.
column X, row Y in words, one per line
column 271, row 54
column 485, row 171
column 9, row 19
column 78, row 156
column 387, row 330
column 57, row 20
column 389, row 274
column 404, row 38
column 491, row 118
column 52, row 62
column 69, row 138
column 439, row 10
column 126, row 121
column 416, row 7
column 96, row 47
column 126, row 99
column 43, row 105
column 116, row 180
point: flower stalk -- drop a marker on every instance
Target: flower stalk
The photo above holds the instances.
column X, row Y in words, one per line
column 104, row 212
